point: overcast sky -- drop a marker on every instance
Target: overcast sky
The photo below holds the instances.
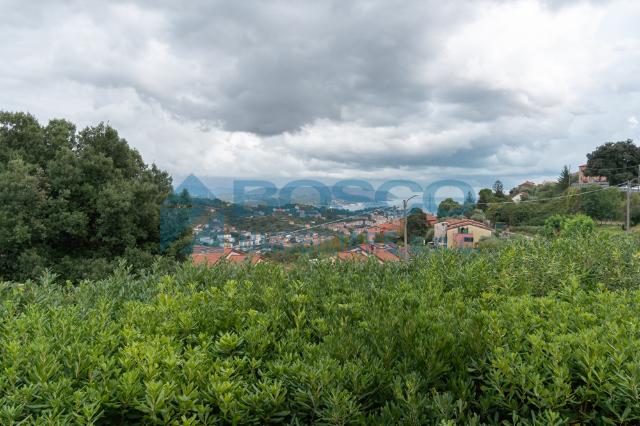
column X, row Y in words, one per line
column 416, row 89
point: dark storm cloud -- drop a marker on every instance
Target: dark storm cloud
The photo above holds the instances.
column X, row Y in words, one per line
column 259, row 67
column 269, row 68
column 291, row 66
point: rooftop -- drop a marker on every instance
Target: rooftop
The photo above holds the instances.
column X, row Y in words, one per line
column 453, row 223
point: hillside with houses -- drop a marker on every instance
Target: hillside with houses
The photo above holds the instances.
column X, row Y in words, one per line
column 286, row 232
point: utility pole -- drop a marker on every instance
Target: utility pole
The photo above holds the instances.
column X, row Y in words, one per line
column 404, row 214
column 629, row 199
column 628, row 204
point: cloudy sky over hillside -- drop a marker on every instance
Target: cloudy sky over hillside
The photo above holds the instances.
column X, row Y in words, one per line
column 423, row 90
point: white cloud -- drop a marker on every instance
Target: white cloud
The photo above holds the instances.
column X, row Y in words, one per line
column 473, row 90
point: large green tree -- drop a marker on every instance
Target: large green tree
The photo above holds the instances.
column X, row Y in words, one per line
column 417, row 225
column 485, row 197
column 449, row 208
column 618, row 161
column 74, row 202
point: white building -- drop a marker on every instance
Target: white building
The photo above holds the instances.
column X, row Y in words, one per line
column 519, row 197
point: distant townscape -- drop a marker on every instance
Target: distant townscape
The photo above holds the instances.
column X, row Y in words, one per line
column 224, row 231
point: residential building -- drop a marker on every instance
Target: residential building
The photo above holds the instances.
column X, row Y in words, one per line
column 198, row 249
column 390, row 229
column 431, row 219
column 584, row 180
column 459, row 233
column 382, row 253
column 519, row 197
column 228, row 254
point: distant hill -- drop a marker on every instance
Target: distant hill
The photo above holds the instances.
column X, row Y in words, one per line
column 311, row 197
column 302, row 195
column 195, row 187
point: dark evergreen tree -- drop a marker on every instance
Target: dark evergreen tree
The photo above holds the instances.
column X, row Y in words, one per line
column 498, row 188
column 469, row 204
column 564, row 180
column 417, row 225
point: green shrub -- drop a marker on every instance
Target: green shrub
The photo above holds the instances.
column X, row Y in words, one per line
column 529, row 230
column 535, row 332
column 569, row 226
column 577, row 225
column 491, row 243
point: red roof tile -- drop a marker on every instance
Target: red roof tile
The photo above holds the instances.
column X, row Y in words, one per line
column 208, row 259
column 457, row 223
column 228, row 254
column 350, row 255
column 385, row 256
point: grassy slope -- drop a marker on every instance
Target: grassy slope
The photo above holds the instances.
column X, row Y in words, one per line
column 535, row 331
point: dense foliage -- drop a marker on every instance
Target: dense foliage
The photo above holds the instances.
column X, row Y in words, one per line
column 417, row 226
column 618, row 161
column 74, row 201
column 547, row 200
column 448, row 208
column 532, row 332
column 569, row 226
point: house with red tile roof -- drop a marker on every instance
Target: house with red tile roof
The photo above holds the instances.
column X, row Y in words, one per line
column 584, row 180
column 228, row 255
column 391, row 229
column 351, row 256
column 431, row 219
column 380, row 252
column 460, row 233
column 197, row 248
column 384, row 255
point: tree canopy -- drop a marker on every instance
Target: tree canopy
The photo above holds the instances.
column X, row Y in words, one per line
column 449, row 207
column 417, row 225
column 618, row 161
column 74, row 202
column 485, row 196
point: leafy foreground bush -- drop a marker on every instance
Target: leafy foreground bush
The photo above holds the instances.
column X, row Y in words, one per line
column 536, row 332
